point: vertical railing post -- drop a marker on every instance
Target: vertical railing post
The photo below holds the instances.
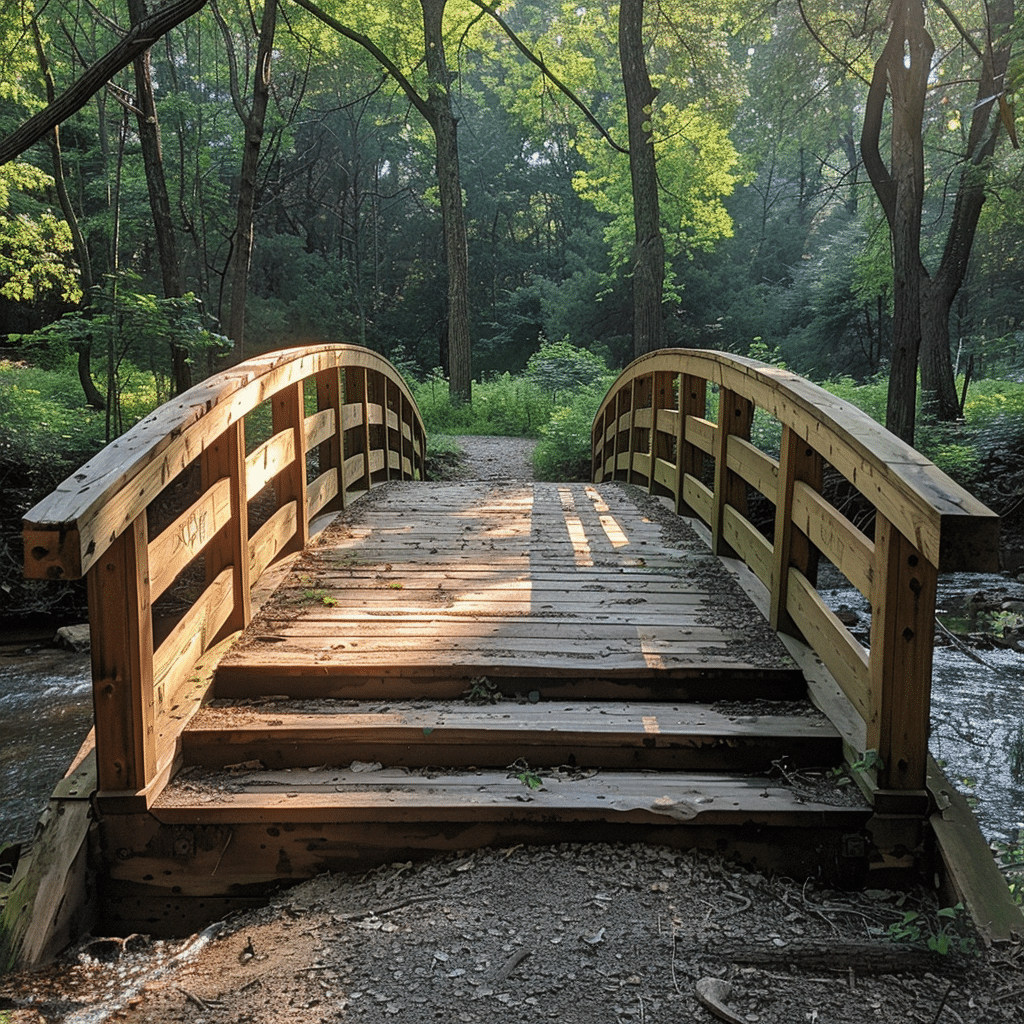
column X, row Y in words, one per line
column 121, row 631
column 661, row 441
column 356, row 394
column 693, row 401
column 635, row 388
column 798, row 461
column 331, row 453
column 225, row 457
column 735, row 415
column 289, row 413
column 902, row 638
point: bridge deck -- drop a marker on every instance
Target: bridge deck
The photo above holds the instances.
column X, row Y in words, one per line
column 526, row 584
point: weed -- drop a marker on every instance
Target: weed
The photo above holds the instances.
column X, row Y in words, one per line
column 525, row 774
column 1010, row 859
column 482, row 690
column 319, row 595
column 949, row 933
column 396, row 586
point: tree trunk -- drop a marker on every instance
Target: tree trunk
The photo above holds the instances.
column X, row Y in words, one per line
column 84, row 347
column 903, row 66
column 156, row 186
column 649, row 245
column 456, row 249
column 938, row 385
column 252, row 123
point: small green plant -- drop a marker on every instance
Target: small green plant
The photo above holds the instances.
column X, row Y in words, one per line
column 318, row 594
column 867, row 762
column 947, row 934
column 482, row 690
column 1010, row 859
column 1003, row 621
column 525, row 774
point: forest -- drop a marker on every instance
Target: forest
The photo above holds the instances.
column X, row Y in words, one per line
column 510, row 201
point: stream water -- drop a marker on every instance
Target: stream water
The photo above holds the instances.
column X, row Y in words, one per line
column 977, row 716
column 45, row 713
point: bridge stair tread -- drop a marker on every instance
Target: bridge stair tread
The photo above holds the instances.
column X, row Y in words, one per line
column 599, row 734
column 351, row 795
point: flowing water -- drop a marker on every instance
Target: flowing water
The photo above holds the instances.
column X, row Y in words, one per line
column 977, row 701
column 45, row 713
column 977, row 716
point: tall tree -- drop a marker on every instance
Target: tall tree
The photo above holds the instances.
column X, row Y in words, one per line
column 922, row 301
column 649, row 246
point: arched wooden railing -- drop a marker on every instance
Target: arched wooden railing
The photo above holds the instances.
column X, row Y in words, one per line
column 653, row 430
column 101, row 524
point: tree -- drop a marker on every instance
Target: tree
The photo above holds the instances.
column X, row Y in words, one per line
column 922, row 300
column 649, row 248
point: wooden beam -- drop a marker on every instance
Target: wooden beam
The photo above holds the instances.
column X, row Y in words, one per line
column 289, row 418
column 121, row 630
column 902, row 635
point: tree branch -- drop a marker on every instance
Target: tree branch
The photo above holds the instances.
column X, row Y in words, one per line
column 549, row 74
column 376, row 52
column 136, row 42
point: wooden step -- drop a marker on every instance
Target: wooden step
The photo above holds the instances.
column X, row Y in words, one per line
column 606, row 735
column 708, row 680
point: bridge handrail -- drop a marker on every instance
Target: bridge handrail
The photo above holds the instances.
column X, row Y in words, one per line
column 652, row 429
column 367, row 429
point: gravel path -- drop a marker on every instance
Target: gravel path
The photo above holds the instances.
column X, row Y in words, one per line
column 496, row 458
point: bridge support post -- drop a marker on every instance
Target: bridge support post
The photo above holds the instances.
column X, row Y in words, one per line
column 693, row 401
column 902, row 637
column 735, row 416
column 225, row 457
column 792, row 548
column 331, row 452
column 288, row 413
column 121, row 629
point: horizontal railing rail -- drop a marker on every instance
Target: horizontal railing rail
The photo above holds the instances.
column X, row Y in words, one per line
column 230, row 513
column 653, row 429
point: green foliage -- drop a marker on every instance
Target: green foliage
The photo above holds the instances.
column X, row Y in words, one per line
column 35, row 245
column 482, row 690
column 560, row 366
column 948, row 933
column 1010, row 858
column 564, row 449
column 503, row 406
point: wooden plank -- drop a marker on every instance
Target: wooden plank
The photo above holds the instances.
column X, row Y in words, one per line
column 749, row 544
column 188, row 535
column 50, row 904
column 269, row 459
column 971, row 876
column 193, row 635
column 317, row 428
column 842, row 655
column 698, row 497
column 321, row 492
column 610, row 736
column 842, row 543
column 759, row 470
column 271, row 538
column 341, row 795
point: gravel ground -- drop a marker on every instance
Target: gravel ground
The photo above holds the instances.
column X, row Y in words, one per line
column 496, row 458
column 572, row 933
column 578, row 934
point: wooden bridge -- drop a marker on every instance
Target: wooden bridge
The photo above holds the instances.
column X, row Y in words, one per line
column 288, row 680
